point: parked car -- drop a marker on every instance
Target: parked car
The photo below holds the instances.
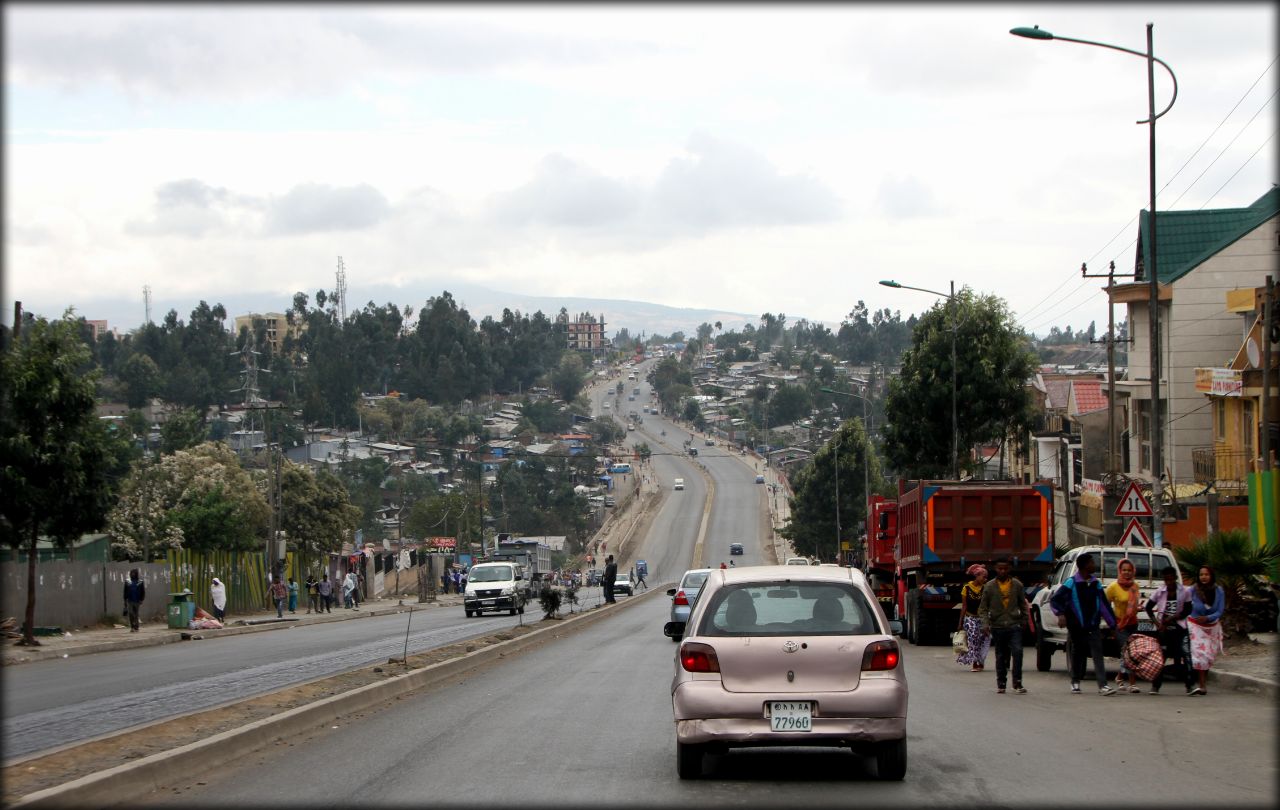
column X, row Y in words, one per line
column 775, row 656
column 685, row 594
column 797, row 561
column 608, row 501
column 1049, row 637
column 623, row 584
column 710, row 443
column 735, row 548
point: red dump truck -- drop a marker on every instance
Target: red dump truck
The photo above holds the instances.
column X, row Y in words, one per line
column 939, row 528
column 882, row 538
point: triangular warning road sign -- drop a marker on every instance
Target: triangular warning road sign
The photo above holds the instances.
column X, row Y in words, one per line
column 1134, row 534
column 1133, row 503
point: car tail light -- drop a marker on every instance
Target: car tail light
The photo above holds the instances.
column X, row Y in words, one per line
column 695, row 657
column 681, row 599
column 880, row 655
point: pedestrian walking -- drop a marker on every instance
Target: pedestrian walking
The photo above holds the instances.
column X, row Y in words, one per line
column 1173, row 601
column 457, row 581
column 1124, row 597
column 977, row 639
column 640, row 579
column 444, row 582
column 1204, row 625
column 1002, row 610
column 293, row 595
column 326, row 592
column 610, row 577
column 349, row 591
column 1079, row 604
column 135, row 590
column 313, row 594
column 279, row 595
column 218, row 595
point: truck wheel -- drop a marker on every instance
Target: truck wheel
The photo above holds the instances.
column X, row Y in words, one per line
column 469, row 614
column 1044, row 655
column 913, row 619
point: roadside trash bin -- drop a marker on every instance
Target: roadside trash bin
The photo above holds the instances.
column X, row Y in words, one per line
column 182, row 609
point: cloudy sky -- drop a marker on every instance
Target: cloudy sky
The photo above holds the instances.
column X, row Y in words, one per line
column 747, row 159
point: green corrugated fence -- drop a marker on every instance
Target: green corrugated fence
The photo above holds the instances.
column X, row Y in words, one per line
column 243, row 573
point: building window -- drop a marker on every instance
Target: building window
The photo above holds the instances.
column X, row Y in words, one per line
column 1220, row 412
column 1142, row 426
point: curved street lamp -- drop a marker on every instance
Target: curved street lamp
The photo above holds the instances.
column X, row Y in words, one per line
column 955, row 420
column 1157, row 462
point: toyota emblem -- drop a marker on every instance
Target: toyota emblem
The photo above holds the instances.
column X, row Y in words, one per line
column 790, row 646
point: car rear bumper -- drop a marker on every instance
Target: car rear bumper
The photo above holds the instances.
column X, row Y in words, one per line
column 875, row 711
column 742, row 732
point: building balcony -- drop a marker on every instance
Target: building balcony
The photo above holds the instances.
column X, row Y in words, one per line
column 1224, row 467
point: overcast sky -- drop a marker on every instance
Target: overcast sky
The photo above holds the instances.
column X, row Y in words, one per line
column 753, row 159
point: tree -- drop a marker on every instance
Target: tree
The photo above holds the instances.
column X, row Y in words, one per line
column 1238, row 565
column 141, row 378
column 182, row 430
column 789, row 403
column 812, row 526
column 993, row 364
column 54, row 451
column 200, row 498
column 315, row 511
column 569, row 377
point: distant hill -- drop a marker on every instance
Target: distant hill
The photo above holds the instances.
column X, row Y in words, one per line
column 634, row 316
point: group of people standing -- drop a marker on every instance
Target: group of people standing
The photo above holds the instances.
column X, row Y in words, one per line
column 1184, row 618
column 454, row 581
column 321, row 594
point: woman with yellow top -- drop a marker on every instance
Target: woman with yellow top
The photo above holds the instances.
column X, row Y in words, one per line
column 978, row 641
column 1124, row 598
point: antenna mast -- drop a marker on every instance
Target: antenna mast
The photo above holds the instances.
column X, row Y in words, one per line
column 146, row 301
column 342, row 291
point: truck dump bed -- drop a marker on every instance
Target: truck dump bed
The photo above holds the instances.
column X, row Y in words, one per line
column 949, row 523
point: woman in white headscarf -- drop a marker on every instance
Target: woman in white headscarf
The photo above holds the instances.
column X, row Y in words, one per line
column 348, row 590
column 218, row 592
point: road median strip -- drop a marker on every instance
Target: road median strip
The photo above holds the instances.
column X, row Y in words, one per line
column 133, row 779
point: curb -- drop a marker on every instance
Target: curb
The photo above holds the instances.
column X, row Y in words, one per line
column 1244, row 683
column 136, row 779
column 190, row 635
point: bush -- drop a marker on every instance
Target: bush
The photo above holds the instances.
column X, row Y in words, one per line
column 550, row 599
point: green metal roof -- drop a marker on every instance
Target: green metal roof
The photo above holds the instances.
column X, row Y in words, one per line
column 1190, row 238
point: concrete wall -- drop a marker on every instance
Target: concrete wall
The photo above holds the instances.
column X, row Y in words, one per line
column 77, row 594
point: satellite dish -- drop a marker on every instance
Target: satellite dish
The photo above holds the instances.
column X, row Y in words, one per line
column 1252, row 351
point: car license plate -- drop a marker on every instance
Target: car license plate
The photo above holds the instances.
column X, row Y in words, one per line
column 790, row 716
column 487, row 601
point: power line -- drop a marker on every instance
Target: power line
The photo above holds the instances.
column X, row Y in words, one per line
column 1242, row 165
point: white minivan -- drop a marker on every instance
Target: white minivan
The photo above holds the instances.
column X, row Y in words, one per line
column 495, row 586
column 678, row 484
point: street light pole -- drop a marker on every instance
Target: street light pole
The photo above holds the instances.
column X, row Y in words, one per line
column 1157, row 430
column 866, row 457
column 955, row 327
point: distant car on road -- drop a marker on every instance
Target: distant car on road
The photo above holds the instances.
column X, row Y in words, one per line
column 775, row 656
column 759, row 479
column 678, row 484
column 686, row 593
column 797, row 561
column 710, row 442
column 623, row 584
column 608, row 500
column 735, row 548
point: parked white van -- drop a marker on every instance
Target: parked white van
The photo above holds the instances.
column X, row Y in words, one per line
column 1148, row 562
column 495, row 586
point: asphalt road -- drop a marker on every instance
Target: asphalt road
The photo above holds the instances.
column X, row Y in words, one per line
column 586, row 721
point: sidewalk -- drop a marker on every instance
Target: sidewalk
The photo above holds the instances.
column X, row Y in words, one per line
column 151, row 634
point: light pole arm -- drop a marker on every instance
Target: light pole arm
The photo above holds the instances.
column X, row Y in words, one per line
column 1045, row 35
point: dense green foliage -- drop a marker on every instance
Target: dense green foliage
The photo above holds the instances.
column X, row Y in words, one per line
column 1239, row 566
column 849, row 460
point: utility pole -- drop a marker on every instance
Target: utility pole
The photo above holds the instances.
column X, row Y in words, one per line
column 1111, row 492
column 1267, row 333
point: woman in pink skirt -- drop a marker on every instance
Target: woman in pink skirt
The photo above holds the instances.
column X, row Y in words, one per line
column 977, row 639
column 1205, row 625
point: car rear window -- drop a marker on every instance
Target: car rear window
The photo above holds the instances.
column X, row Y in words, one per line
column 1141, row 563
column 694, row 580
column 777, row 609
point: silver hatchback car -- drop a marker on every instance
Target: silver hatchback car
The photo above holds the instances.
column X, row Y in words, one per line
column 786, row 656
column 685, row 594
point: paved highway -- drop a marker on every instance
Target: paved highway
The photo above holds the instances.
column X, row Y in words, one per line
column 586, row 720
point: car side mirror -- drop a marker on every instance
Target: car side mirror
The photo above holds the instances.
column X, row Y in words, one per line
column 671, row 591
column 895, row 627
column 673, row 629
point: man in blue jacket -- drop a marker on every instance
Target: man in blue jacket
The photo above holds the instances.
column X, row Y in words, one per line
column 1078, row 604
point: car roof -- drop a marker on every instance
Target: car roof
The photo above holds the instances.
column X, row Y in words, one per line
column 795, row 573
